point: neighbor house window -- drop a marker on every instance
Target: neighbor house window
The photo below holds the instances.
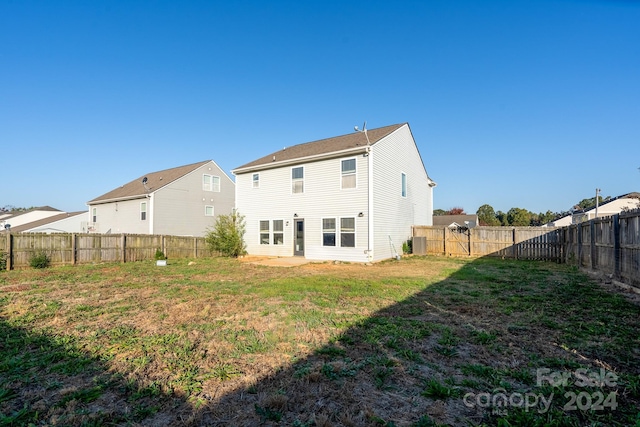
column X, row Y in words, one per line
column 278, row 232
column 264, row 232
column 208, row 210
column 404, row 185
column 297, row 180
column 211, row 183
column 328, row 231
column 348, row 232
column 94, row 215
column 349, row 173
column 143, row 211
column 256, row 180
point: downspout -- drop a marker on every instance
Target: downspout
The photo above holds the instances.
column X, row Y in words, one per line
column 370, row 203
column 150, row 198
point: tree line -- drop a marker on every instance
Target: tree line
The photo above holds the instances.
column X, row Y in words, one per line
column 519, row 217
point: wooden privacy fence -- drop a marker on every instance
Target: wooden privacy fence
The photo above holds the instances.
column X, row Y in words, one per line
column 610, row 245
column 537, row 243
column 63, row 248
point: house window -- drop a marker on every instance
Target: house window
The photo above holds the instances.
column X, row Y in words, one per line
column 94, row 215
column 143, row 211
column 208, row 210
column 328, row 231
column 349, row 173
column 256, row 180
column 404, row 184
column 264, row 232
column 278, row 232
column 211, row 183
column 348, row 232
column 297, row 180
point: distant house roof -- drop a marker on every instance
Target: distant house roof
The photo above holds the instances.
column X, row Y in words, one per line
column 154, row 181
column 320, row 147
column 459, row 220
column 13, row 214
column 45, row 221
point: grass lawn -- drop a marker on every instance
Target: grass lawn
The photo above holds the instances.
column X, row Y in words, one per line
column 423, row 341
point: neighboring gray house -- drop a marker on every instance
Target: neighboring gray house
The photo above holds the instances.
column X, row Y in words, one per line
column 455, row 221
column 181, row 201
column 65, row 222
column 351, row 198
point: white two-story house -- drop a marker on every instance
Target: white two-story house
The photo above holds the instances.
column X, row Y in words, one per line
column 181, row 201
column 350, row 198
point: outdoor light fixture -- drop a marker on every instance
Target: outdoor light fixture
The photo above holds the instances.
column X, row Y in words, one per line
column 295, row 215
column 360, row 214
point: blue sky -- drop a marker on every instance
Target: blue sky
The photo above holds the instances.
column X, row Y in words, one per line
column 529, row 104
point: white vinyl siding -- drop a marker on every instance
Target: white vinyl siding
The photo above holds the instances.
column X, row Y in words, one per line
column 348, row 173
column 322, row 198
column 394, row 214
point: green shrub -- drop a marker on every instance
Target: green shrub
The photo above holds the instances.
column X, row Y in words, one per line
column 227, row 235
column 407, row 247
column 160, row 255
column 3, row 260
column 40, row 259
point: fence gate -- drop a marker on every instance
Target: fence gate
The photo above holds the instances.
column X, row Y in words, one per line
column 457, row 241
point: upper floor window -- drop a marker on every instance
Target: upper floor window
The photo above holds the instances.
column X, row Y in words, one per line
column 256, row 180
column 143, row 211
column 404, row 184
column 208, row 210
column 94, row 215
column 349, row 173
column 211, row 183
column 297, row 180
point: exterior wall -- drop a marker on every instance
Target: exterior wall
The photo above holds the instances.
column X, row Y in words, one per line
column 394, row 215
column 28, row 217
column 121, row 217
column 73, row 224
column 323, row 197
column 179, row 208
column 176, row 209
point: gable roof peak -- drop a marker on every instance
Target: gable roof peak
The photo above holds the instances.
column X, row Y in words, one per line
column 321, row 147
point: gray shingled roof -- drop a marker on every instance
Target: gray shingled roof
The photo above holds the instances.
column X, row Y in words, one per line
column 323, row 146
column 155, row 181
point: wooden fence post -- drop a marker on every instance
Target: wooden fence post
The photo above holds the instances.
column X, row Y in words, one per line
column 515, row 244
column 616, row 244
column 73, row 248
column 195, row 247
column 9, row 251
column 470, row 230
column 444, row 240
column 592, row 242
column 123, row 245
column 579, row 236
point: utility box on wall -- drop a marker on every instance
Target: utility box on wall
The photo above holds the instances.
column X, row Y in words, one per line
column 419, row 245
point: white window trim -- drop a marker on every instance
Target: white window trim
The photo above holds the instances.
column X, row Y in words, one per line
column 297, row 179
column 143, row 211
column 213, row 211
column 274, row 232
column 335, row 231
column 261, row 231
column 355, row 173
column 255, row 181
column 339, row 232
column 211, row 183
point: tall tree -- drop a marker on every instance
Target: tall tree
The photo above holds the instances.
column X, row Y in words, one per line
column 487, row 216
column 439, row 212
column 455, row 211
column 518, row 217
